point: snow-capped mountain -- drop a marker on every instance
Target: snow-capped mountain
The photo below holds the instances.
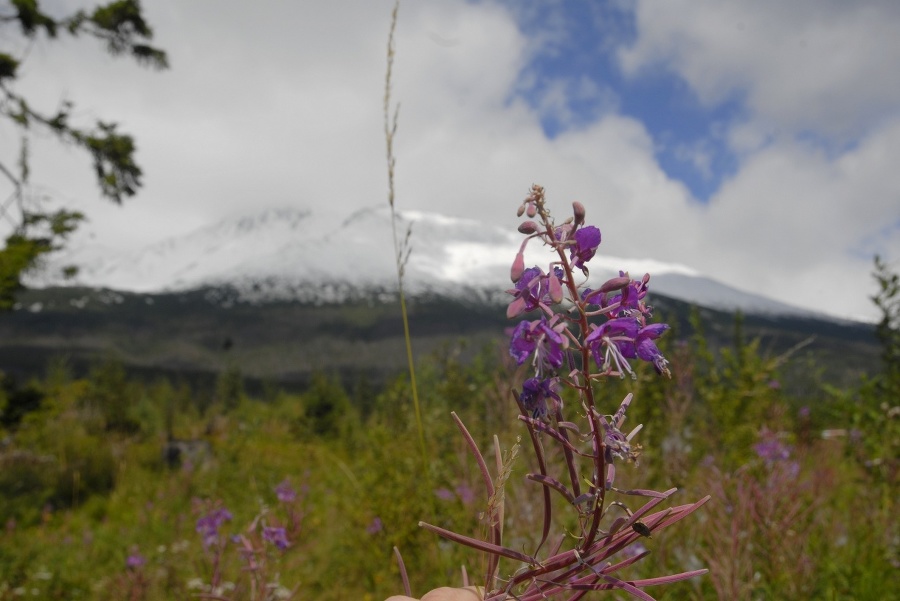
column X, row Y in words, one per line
column 324, row 256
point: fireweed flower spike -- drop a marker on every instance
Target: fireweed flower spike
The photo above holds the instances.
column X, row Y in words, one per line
column 276, row 536
column 579, row 336
column 208, row 525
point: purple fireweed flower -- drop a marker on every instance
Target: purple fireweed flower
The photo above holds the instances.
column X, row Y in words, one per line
column 618, row 445
column 595, row 299
column 621, row 339
column 563, row 233
column 609, row 343
column 276, row 536
column 376, row 526
column 135, row 561
column 444, row 494
column 536, row 393
column 627, row 301
column 587, row 239
column 466, row 494
column 208, row 525
column 535, row 289
column 527, row 293
column 645, row 349
column 634, row 549
column 770, row 449
column 285, row 493
column 592, row 298
column 540, row 338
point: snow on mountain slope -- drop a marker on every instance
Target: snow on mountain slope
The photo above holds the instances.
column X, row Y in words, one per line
column 325, row 256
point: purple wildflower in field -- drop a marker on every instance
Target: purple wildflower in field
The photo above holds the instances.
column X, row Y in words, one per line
column 376, row 526
column 444, row 494
column 770, row 449
column 611, row 325
column 276, row 536
column 208, row 525
column 466, row 494
column 135, row 561
column 634, row 549
column 285, row 493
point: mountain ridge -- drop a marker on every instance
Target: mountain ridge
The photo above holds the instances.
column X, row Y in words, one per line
column 324, row 256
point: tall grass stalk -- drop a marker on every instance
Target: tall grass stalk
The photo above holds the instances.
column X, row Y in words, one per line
column 401, row 247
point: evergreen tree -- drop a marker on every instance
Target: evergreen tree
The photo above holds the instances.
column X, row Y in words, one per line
column 35, row 230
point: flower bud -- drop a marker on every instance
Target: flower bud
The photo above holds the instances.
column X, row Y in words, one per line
column 528, row 227
column 518, row 267
column 556, row 293
column 515, row 308
column 531, row 211
column 520, row 210
column 578, row 209
column 615, row 284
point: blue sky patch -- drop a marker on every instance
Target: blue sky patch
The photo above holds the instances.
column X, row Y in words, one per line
column 573, row 78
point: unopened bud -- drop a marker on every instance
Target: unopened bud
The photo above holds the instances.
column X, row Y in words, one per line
column 521, row 210
column 578, row 209
column 531, row 210
column 528, row 227
column 615, row 284
column 515, row 308
column 518, row 267
column 556, row 293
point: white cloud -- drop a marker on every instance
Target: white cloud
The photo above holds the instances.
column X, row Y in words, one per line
column 809, row 222
column 824, row 65
column 280, row 105
column 816, row 189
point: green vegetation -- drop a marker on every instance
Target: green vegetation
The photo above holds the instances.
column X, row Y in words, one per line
column 98, row 507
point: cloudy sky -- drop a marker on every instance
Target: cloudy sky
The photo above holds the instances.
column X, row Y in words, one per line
column 757, row 142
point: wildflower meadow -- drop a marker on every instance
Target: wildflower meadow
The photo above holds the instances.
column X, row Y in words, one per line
column 594, row 450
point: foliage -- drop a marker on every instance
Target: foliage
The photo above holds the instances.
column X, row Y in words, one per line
column 871, row 414
column 36, row 231
column 362, row 496
column 888, row 331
